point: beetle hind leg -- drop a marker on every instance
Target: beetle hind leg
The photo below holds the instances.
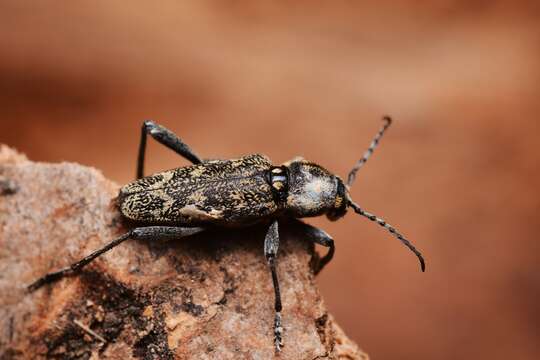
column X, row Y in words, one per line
column 57, row 275
column 143, row 233
column 166, row 137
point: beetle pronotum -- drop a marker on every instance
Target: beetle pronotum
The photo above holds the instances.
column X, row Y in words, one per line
column 241, row 192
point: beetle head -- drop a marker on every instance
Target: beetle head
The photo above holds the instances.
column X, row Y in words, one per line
column 313, row 191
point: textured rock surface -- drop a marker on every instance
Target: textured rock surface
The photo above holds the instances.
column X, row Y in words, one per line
column 205, row 297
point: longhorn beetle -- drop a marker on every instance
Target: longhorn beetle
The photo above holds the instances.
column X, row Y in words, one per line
column 186, row 200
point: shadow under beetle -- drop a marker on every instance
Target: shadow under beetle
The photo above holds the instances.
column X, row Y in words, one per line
column 184, row 201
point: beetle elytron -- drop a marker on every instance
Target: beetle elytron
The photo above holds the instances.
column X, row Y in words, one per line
column 241, row 192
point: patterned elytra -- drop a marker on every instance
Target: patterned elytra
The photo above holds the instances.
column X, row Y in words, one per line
column 226, row 192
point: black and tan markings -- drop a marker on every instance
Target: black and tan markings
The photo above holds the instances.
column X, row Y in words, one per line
column 187, row 200
column 222, row 192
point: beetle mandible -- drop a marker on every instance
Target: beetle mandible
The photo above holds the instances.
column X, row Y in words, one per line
column 241, row 192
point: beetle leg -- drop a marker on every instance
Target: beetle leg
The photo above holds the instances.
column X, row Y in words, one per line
column 320, row 237
column 271, row 245
column 144, row 233
column 165, row 137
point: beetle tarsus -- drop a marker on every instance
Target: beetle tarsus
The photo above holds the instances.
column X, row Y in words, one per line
column 278, row 332
column 49, row 278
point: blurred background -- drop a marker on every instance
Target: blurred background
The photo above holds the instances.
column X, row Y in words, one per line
column 458, row 172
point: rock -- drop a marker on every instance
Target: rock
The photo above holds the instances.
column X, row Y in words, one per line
column 209, row 296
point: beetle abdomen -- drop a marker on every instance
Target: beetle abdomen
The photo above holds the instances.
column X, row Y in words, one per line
column 227, row 192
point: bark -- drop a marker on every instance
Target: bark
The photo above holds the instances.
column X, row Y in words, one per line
column 205, row 297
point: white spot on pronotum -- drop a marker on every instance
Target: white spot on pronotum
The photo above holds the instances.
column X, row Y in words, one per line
column 313, row 193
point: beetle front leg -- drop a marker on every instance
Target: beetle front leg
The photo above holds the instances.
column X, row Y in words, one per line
column 142, row 233
column 165, row 137
column 271, row 245
column 320, row 237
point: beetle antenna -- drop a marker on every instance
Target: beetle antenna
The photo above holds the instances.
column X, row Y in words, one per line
column 352, row 174
column 392, row 230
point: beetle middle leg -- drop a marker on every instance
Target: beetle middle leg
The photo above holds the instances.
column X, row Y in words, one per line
column 320, row 237
column 140, row 233
column 271, row 245
column 165, row 137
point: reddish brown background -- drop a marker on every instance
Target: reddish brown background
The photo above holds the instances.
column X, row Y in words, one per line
column 458, row 172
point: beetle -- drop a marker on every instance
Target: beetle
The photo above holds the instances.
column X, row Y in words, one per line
column 240, row 192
